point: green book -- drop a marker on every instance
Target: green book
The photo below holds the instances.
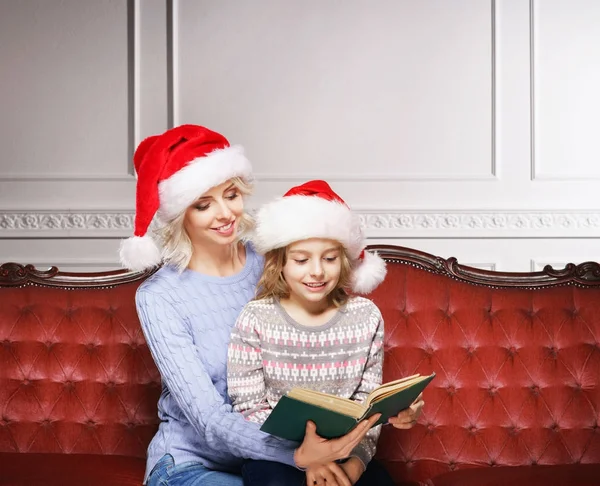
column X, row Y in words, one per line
column 336, row 416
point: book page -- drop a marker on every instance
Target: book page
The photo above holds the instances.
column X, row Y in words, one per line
column 330, row 402
column 392, row 387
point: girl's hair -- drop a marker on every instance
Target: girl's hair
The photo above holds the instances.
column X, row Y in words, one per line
column 272, row 283
column 175, row 242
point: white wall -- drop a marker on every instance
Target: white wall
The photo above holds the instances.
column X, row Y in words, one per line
column 464, row 128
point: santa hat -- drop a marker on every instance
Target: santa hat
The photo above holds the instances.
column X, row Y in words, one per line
column 313, row 210
column 173, row 170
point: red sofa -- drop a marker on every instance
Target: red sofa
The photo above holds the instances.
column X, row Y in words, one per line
column 515, row 401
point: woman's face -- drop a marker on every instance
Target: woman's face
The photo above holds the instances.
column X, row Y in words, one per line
column 214, row 217
column 312, row 269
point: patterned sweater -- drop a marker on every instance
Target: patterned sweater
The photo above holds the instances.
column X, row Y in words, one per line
column 270, row 353
column 187, row 320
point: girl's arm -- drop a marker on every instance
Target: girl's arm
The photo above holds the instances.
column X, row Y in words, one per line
column 177, row 357
column 371, row 379
column 245, row 376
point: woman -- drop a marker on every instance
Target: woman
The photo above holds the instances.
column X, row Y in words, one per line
column 191, row 185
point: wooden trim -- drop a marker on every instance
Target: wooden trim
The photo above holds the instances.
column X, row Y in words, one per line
column 586, row 274
column 17, row 275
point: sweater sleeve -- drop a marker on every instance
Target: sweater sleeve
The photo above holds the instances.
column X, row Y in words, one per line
column 177, row 357
column 371, row 379
column 245, row 377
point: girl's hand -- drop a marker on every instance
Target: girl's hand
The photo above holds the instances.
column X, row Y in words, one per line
column 409, row 416
column 354, row 468
column 315, row 450
column 329, row 474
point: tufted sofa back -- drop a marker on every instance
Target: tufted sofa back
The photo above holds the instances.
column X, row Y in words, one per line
column 76, row 375
column 517, row 358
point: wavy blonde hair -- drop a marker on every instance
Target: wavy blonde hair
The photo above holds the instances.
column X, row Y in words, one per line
column 175, row 242
column 272, row 283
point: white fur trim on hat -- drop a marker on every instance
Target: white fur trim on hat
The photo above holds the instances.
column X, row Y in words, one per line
column 369, row 273
column 295, row 218
column 180, row 190
column 139, row 253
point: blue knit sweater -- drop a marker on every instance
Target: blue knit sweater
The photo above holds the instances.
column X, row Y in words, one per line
column 187, row 320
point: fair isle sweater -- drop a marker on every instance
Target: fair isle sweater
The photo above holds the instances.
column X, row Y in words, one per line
column 270, row 353
column 187, row 320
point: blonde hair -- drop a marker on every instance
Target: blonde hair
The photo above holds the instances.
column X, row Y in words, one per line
column 272, row 283
column 175, row 242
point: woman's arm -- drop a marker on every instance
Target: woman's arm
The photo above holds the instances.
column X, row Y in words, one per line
column 178, row 360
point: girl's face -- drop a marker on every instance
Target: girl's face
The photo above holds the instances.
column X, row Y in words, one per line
column 312, row 269
column 214, row 217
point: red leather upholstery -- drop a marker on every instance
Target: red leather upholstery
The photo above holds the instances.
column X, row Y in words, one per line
column 52, row 469
column 517, row 374
column 517, row 381
column 77, row 379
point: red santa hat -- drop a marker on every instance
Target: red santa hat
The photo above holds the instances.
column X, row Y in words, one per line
column 313, row 210
column 173, row 170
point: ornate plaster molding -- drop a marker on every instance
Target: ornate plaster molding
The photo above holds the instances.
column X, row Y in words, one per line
column 66, row 224
column 385, row 223
column 473, row 221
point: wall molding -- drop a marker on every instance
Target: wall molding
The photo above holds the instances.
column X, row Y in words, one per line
column 378, row 224
column 66, row 224
column 173, row 56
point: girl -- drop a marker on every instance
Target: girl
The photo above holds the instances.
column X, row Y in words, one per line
column 191, row 186
column 303, row 329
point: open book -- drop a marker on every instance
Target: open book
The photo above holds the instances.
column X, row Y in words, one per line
column 335, row 416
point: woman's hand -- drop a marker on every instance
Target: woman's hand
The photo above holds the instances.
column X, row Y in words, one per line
column 315, row 450
column 329, row 474
column 409, row 416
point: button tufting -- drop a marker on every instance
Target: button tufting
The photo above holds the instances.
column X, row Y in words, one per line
column 473, row 429
column 452, row 465
column 451, row 389
column 492, row 390
column 26, row 382
column 535, row 390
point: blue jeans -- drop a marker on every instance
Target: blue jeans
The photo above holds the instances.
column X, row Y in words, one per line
column 167, row 473
column 267, row 473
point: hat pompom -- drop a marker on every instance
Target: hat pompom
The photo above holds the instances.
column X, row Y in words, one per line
column 369, row 273
column 139, row 253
